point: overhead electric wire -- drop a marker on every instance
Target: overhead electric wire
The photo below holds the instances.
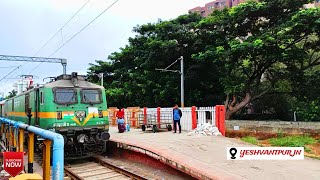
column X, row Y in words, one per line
column 10, row 73
column 78, row 32
column 60, row 30
column 62, row 27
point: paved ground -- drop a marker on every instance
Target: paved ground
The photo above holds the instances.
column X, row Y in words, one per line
column 37, row 168
column 207, row 155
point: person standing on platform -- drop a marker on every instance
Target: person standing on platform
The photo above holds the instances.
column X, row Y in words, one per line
column 120, row 120
column 177, row 114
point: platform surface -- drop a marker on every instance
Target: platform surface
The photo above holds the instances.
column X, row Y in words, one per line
column 207, row 155
column 37, row 168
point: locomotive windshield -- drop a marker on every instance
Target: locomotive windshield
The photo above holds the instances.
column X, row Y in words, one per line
column 65, row 96
column 92, row 96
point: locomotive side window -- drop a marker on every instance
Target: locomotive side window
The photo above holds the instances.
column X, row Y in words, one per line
column 65, row 96
column 26, row 104
column 41, row 98
column 92, row 96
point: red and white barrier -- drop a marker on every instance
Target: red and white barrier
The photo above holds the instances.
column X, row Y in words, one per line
column 191, row 117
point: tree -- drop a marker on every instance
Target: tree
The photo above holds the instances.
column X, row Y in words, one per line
column 306, row 90
column 235, row 56
column 256, row 44
column 101, row 67
column 135, row 82
column 12, row 94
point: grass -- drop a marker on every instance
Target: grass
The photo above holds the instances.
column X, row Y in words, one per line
column 250, row 139
column 308, row 150
column 314, row 157
column 292, row 141
column 310, row 144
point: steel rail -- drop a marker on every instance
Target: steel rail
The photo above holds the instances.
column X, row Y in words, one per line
column 118, row 169
column 69, row 172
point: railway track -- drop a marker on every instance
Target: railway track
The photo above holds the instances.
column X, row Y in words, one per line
column 97, row 169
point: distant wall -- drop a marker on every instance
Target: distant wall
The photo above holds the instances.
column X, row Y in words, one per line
column 273, row 126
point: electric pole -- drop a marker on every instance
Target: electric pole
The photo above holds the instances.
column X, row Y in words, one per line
column 101, row 74
column 181, row 72
column 182, row 81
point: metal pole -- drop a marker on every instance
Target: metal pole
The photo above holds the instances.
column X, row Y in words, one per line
column 101, row 74
column 182, row 81
column 64, row 66
column 181, row 74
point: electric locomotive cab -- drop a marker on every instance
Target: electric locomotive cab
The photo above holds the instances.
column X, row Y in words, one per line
column 81, row 112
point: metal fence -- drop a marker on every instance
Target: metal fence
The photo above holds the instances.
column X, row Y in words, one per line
column 12, row 129
column 206, row 115
column 203, row 115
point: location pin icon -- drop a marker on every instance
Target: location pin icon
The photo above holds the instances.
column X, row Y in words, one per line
column 233, row 152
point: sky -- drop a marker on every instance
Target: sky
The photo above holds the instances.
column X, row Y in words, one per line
column 27, row 25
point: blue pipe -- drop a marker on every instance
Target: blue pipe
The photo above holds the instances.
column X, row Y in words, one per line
column 58, row 145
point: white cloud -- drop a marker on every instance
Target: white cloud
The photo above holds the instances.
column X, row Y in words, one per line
column 27, row 25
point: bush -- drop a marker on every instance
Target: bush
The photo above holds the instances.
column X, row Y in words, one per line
column 249, row 139
column 309, row 111
column 292, row 141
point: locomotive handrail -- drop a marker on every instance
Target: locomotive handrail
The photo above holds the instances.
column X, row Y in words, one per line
column 58, row 147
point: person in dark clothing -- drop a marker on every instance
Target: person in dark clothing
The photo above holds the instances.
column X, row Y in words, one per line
column 177, row 114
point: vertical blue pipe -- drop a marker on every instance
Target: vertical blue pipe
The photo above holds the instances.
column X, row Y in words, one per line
column 58, row 146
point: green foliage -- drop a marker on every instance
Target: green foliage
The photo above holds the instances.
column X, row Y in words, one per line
column 12, row 93
column 280, row 133
column 252, row 49
column 250, row 139
column 261, row 49
column 309, row 110
column 241, row 51
column 292, row 141
column 306, row 88
column 134, row 80
column 308, row 150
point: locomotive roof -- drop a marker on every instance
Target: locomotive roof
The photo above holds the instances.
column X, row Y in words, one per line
column 73, row 80
column 68, row 83
column 64, row 81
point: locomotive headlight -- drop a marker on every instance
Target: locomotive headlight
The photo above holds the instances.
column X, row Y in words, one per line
column 100, row 114
column 81, row 114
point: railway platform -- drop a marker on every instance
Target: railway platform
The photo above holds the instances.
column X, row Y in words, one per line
column 204, row 157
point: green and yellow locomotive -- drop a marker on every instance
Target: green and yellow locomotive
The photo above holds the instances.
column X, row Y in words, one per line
column 69, row 105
